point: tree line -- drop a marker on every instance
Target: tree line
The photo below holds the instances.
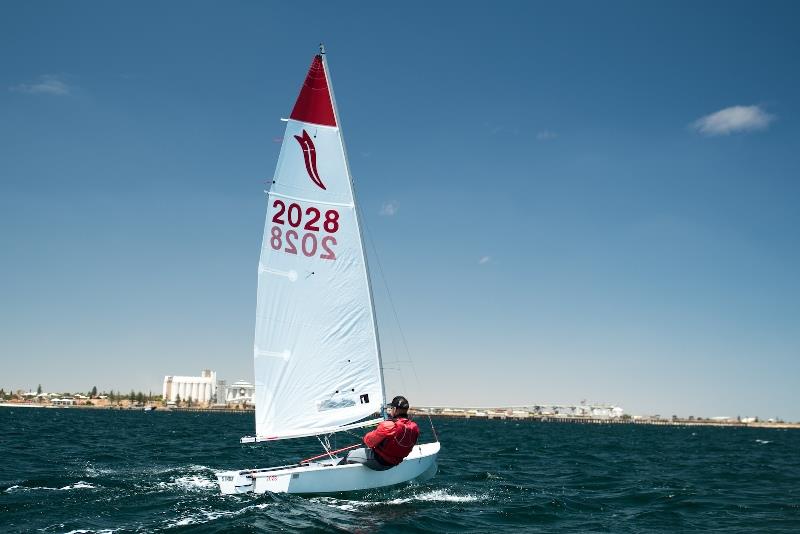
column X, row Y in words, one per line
column 133, row 396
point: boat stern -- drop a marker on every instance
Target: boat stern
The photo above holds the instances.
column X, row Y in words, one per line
column 234, row 482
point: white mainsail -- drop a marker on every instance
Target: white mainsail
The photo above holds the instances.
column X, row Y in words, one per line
column 317, row 359
column 317, row 356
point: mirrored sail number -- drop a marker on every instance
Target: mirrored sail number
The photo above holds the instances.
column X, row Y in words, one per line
column 306, row 243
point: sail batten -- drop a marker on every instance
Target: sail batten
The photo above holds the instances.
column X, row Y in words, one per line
column 316, row 355
column 299, row 199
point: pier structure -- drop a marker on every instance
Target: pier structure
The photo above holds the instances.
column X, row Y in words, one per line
column 540, row 411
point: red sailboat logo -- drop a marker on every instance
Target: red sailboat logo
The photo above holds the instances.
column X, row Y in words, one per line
column 310, row 157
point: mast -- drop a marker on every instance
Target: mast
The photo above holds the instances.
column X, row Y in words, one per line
column 358, row 226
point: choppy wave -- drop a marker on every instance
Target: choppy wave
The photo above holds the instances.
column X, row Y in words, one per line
column 90, row 531
column 77, row 485
column 156, row 476
column 205, row 515
column 192, row 483
column 444, row 496
column 149, row 470
column 191, row 477
column 439, row 495
column 94, row 472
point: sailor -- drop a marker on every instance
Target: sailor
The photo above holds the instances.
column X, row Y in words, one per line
column 387, row 445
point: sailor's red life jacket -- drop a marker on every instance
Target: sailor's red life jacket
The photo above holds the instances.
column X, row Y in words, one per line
column 393, row 440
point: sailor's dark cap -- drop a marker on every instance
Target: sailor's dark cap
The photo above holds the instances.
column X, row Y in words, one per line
column 399, row 402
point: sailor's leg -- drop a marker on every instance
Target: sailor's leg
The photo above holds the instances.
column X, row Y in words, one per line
column 366, row 457
column 357, row 456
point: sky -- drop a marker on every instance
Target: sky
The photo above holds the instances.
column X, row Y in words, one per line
column 564, row 201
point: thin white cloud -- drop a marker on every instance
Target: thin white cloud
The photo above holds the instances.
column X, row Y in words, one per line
column 389, row 209
column 495, row 129
column 484, row 260
column 48, row 84
column 733, row 119
column 546, row 135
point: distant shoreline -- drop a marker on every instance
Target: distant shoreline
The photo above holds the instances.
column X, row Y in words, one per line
column 146, row 408
column 459, row 415
column 620, row 421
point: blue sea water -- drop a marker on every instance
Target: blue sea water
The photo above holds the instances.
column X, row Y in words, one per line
column 73, row 470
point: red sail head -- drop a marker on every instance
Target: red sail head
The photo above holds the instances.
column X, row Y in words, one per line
column 314, row 104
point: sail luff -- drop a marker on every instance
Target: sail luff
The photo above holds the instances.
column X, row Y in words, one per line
column 358, row 226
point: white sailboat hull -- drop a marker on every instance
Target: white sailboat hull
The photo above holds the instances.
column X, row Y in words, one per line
column 326, row 477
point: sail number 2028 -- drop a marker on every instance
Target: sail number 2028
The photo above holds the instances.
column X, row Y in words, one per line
column 310, row 219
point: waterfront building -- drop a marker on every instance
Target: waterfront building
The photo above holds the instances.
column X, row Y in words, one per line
column 607, row 411
column 201, row 389
column 240, row 392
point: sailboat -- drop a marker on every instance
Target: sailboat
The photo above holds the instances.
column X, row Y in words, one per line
column 317, row 354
